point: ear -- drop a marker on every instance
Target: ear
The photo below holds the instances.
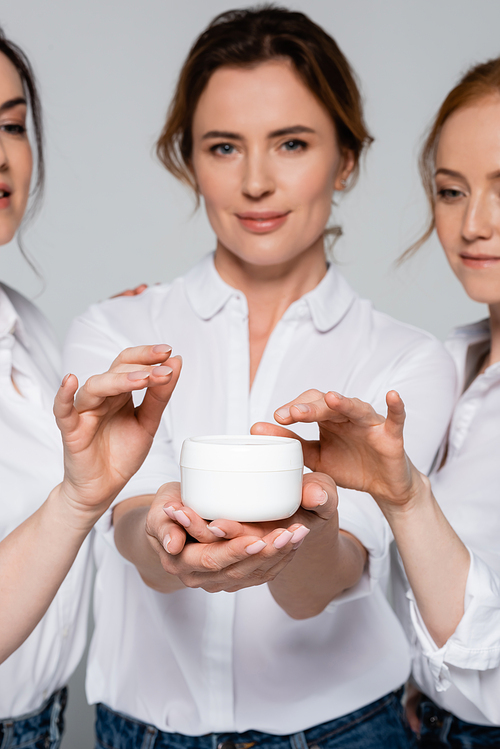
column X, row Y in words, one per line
column 346, row 167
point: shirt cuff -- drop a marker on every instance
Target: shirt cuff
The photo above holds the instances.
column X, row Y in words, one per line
column 475, row 644
column 361, row 516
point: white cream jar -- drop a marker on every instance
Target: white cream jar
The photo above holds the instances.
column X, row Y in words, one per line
column 249, row 478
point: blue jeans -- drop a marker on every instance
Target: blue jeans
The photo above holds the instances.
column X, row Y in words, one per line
column 41, row 729
column 440, row 729
column 379, row 725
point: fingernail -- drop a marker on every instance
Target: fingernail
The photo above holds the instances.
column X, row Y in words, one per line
column 163, row 370
column 161, row 348
column 166, row 542
column 282, row 539
column 319, row 496
column 177, row 356
column 182, row 518
column 256, row 547
column 216, row 531
column 296, row 546
column 65, row 379
column 283, row 413
column 300, row 534
column 170, row 512
column 337, row 395
column 302, row 408
column 138, row 375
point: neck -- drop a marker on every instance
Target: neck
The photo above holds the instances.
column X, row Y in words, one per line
column 270, row 290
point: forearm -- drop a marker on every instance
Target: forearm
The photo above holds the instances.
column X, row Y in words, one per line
column 323, row 567
column 34, row 560
column 132, row 542
column 435, row 560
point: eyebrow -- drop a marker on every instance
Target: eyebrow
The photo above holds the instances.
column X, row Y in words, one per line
column 11, row 103
column 451, row 173
column 295, row 130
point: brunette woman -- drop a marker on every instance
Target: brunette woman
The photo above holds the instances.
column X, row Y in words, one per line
column 105, row 441
column 446, row 531
column 266, row 125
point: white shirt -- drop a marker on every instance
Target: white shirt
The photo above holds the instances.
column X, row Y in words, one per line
column 463, row 676
column 30, row 466
column 195, row 662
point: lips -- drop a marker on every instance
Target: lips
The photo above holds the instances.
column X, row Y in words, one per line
column 479, row 261
column 261, row 222
column 5, row 193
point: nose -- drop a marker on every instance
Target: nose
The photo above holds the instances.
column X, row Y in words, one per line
column 258, row 179
column 478, row 220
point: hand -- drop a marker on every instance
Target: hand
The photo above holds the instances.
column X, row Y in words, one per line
column 357, row 447
column 105, row 438
column 228, row 555
column 132, row 292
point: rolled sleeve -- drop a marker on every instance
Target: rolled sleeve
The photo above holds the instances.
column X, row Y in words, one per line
column 475, row 644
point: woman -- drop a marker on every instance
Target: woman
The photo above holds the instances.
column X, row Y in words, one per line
column 453, row 614
column 266, row 125
column 105, row 441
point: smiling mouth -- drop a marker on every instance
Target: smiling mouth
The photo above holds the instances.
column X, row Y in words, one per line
column 4, row 194
column 479, row 260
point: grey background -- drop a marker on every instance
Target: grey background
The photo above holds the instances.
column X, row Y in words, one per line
column 113, row 218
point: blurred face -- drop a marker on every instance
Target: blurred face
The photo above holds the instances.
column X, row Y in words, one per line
column 266, row 161
column 15, row 151
column 467, row 209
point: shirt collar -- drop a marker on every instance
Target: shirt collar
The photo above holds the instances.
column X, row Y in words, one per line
column 10, row 322
column 327, row 303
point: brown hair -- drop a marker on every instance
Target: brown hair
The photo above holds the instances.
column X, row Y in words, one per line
column 478, row 82
column 250, row 36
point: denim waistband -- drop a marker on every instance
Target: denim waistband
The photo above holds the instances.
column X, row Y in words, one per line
column 118, row 731
column 45, row 723
column 439, row 725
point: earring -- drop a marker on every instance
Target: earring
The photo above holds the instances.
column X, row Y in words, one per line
column 343, row 182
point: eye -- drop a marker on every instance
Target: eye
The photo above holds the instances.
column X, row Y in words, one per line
column 294, row 145
column 449, row 193
column 13, row 128
column 224, row 149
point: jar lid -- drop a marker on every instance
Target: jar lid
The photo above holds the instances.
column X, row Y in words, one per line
column 242, row 453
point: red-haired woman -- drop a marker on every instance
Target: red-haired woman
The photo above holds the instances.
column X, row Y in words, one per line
column 281, row 636
column 447, row 530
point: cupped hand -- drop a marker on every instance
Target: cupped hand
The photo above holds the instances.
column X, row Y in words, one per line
column 105, row 437
column 357, row 447
column 224, row 554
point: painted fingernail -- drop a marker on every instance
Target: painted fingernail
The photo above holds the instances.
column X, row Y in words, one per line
column 170, row 512
column 163, row 370
column 256, row 547
column 296, row 546
column 161, row 348
column 182, row 518
column 300, row 534
column 216, row 531
column 177, row 356
column 302, row 408
column 283, row 413
column 65, row 379
column 138, row 375
column 319, row 496
column 282, row 539
column 166, row 542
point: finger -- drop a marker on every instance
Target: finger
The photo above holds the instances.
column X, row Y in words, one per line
column 396, row 414
column 64, row 411
column 159, row 527
column 145, row 355
column 158, row 394
column 319, row 494
column 283, row 415
column 352, row 409
column 131, row 292
column 99, row 387
column 310, row 448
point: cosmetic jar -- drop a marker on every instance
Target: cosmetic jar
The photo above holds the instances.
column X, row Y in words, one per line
column 249, row 478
